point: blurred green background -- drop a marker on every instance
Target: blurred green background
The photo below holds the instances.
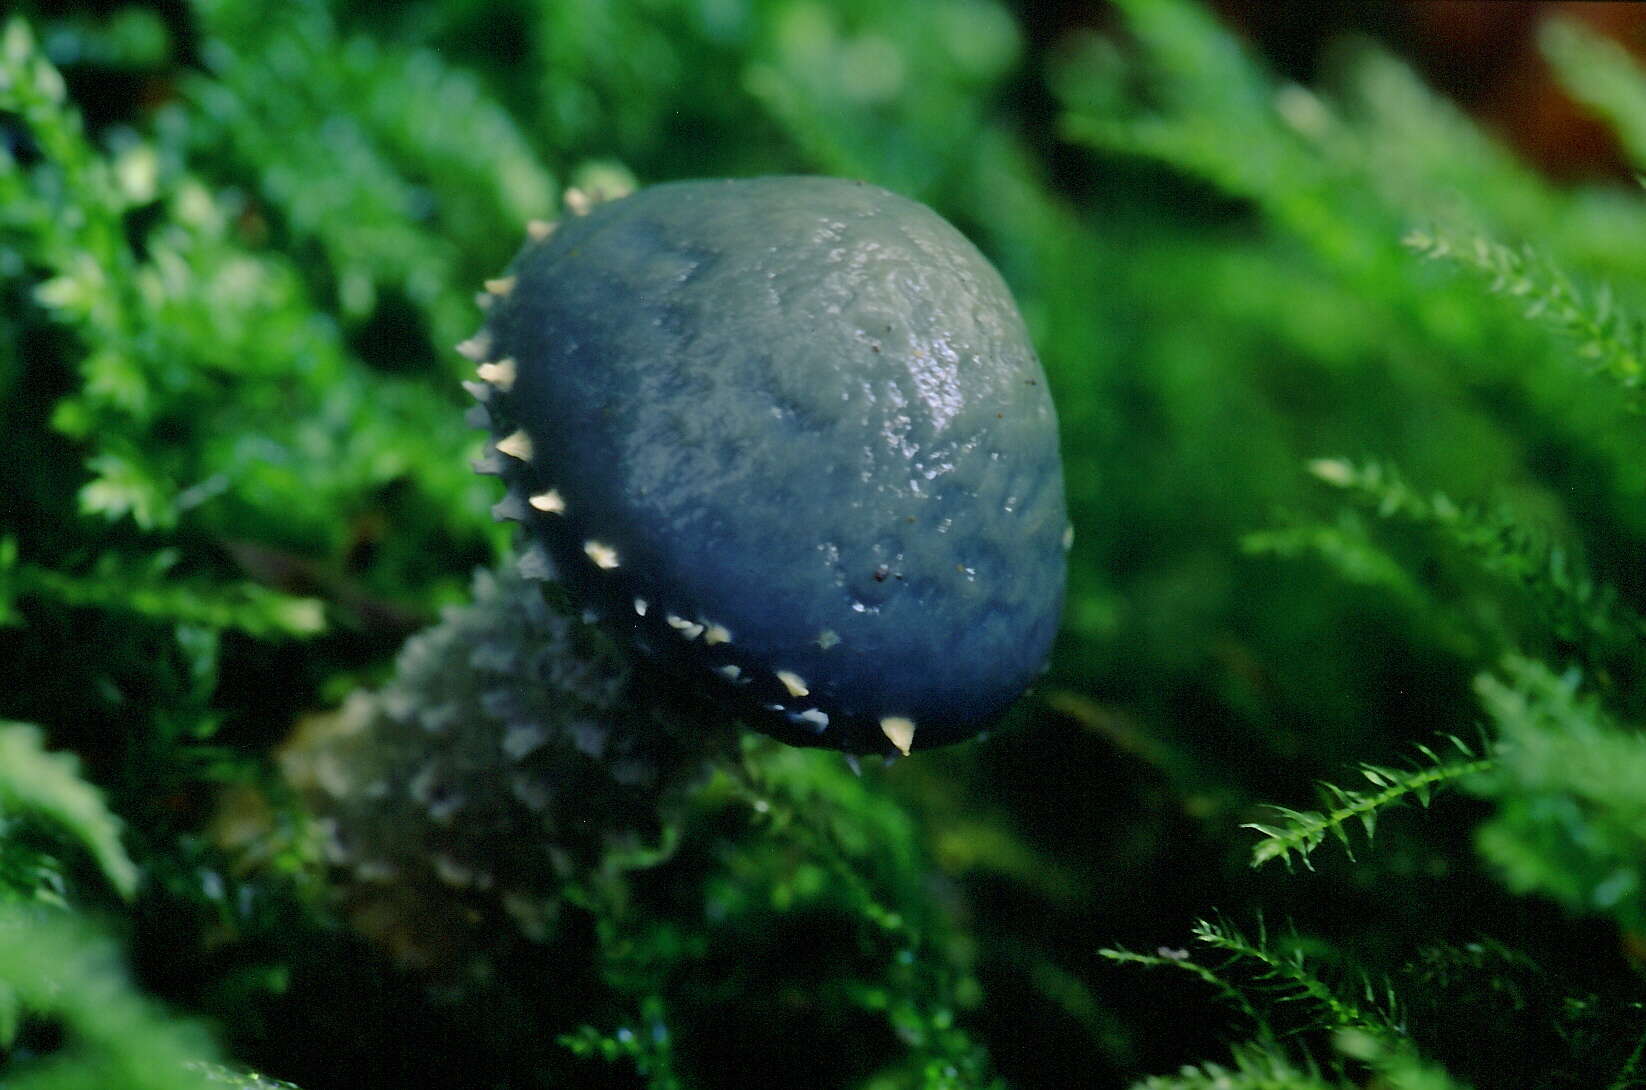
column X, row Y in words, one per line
column 1349, row 372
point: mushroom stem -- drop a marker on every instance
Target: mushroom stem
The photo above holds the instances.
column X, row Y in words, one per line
column 508, row 723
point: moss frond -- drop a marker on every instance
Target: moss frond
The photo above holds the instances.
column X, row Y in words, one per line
column 1259, row 978
column 1600, row 73
column 1295, row 834
column 1610, row 337
column 1570, row 786
column 48, row 786
column 1168, row 958
column 1577, row 607
column 1253, row 1067
column 63, row 974
column 1286, row 976
column 146, row 587
column 646, row 1045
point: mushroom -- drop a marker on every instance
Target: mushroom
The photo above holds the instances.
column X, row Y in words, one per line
column 788, row 440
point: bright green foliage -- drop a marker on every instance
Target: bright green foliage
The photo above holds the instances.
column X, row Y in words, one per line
column 384, row 192
column 1571, row 785
column 47, row 787
column 1352, row 177
column 646, row 1047
column 1283, row 975
column 1396, row 1063
column 1257, row 976
column 44, row 803
column 1345, row 545
column 864, row 853
column 144, row 587
column 1347, row 178
column 1582, row 613
column 1258, row 1068
column 1613, row 341
column 820, row 843
column 167, row 334
column 62, row 974
column 1251, row 1069
column 1601, row 74
column 1294, row 834
column 1260, row 977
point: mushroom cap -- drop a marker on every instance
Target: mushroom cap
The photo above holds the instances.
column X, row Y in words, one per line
column 789, row 437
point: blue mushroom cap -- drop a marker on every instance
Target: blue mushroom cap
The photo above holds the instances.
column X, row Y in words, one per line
column 787, row 436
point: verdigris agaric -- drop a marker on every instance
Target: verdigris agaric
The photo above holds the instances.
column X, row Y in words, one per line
column 788, row 438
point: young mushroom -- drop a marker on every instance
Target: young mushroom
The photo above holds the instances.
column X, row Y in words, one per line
column 786, row 438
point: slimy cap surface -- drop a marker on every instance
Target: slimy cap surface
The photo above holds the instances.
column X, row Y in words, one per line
column 788, row 437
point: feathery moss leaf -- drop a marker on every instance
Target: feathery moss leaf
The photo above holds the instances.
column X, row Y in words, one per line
column 1296, row 834
column 1570, row 787
column 1600, row 73
column 1253, row 1067
column 63, row 973
column 48, row 786
column 1286, row 976
column 1610, row 337
column 1576, row 607
column 148, row 589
